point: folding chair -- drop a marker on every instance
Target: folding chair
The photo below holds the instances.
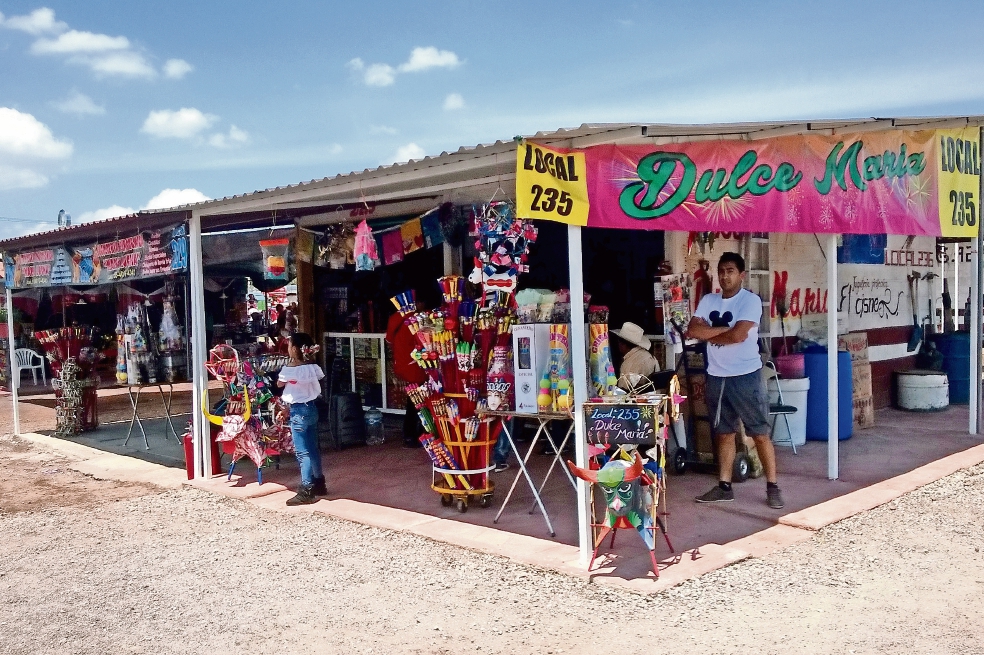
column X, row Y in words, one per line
column 779, row 409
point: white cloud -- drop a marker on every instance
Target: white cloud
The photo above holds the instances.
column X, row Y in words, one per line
column 113, row 211
column 80, row 104
column 422, row 59
column 235, row 136
column 76, row 42
column 175, row 69
column 380, row 75
column 175, row 198
column 125, row 64
column 23, row 135
column 40, row 21
column 185, row 123
column 12, row 177
column 406, row 153
column 382, row 129
column 453, row 101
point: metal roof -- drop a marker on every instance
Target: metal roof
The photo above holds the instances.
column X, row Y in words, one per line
column 476, row 168
column 116, row 226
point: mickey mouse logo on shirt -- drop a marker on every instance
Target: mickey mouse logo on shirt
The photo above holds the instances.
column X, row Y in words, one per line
column 717, row 320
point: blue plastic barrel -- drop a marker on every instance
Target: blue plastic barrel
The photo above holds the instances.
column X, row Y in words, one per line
column 955, row 348
column 815, row 365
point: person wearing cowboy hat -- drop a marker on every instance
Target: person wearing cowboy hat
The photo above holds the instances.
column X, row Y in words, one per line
column 634, row 348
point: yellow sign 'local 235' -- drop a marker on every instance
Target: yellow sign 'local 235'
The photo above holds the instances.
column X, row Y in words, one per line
column 551, row 184
column 959, row 181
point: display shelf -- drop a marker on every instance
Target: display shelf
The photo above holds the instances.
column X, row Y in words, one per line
column 365, row 356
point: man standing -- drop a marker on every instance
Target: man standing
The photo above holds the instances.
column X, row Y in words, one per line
column 729, row 323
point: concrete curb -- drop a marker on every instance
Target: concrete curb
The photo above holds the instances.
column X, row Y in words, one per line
column 790, row 529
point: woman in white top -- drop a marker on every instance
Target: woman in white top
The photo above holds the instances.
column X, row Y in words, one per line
column 301, row 382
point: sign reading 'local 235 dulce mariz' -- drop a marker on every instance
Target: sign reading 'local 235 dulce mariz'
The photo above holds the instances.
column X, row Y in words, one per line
column 898, row 182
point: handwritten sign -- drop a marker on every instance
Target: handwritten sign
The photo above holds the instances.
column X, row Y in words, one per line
column 551, row 184
column 621, row 424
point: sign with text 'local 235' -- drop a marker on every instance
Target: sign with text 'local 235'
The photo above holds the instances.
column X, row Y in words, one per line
column 896, row 182
column 143, row 255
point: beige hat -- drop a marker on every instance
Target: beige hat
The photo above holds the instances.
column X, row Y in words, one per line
column 633, row 334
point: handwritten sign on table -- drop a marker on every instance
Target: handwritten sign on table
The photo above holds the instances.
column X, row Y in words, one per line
column 621, row 424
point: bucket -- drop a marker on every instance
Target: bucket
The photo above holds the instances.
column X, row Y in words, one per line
column 922, row 391
column 790, row 366
column 795, row 392
column 816, row 369
column 955, row 348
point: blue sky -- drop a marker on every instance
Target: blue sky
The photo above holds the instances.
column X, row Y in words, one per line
column 107, row 107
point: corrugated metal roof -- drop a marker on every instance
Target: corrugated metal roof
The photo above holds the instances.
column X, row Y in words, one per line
column 95, row 229
column 415, row 172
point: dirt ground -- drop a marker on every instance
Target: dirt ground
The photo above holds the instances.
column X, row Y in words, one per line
column 90, row 566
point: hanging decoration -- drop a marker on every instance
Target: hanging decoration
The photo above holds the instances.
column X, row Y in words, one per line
column 366, row 256
column 503, row 243
column 275, row 255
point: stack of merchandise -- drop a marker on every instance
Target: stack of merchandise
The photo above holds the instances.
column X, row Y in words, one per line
column 73, row 358
column 464, row 347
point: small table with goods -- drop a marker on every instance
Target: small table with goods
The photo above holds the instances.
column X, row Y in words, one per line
column 627, row 460
column 544, row 419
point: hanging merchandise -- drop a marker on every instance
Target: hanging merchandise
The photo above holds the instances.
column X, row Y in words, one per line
column 275, row 255
column 304, row 245
column 121, row 375
column 392, row 247
column 673, row 293
column 503, row 243
column 412, row 235
column 430, row 225
column 366, row 256
column 73, row 358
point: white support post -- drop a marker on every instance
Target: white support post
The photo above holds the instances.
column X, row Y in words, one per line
column 833, row 422
column 199, row 347
column 579, row 367
column 974, row 320
column 14, row 378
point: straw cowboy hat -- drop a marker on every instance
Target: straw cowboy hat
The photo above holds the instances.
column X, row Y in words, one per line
column 633, row 334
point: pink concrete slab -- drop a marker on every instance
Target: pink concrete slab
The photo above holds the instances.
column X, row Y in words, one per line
column 842, row 507
column 379, row 516
column 770, row 540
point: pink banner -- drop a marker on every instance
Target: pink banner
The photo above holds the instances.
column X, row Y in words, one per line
column 922, row 183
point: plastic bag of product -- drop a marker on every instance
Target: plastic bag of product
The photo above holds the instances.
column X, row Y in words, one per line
column 275, row 259
column 366, row 255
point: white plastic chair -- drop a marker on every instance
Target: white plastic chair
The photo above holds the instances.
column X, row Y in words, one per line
column 27, row 359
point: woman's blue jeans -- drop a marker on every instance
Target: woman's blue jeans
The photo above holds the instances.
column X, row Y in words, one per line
column 304, row 431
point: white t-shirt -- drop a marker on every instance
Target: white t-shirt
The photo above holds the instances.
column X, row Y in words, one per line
column 734, row 358
column 303, row 383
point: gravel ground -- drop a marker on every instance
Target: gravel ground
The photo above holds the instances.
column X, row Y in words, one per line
column 132, row 569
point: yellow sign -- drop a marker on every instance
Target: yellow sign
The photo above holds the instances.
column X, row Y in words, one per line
column 959, row 164
column 551, row 184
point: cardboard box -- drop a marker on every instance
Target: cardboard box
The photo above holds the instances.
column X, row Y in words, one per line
column 861, row 375
column 855, row 343
column 864, row 412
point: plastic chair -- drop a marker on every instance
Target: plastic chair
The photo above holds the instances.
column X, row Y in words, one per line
column 779, row 409
column 25, row 360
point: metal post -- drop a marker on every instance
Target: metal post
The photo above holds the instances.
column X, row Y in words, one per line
column 974, row 320
column 579, row 368
column 833, row 422
column 14, row 378
column 199, row 347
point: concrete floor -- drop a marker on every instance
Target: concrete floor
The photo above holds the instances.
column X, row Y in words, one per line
column 394, row 477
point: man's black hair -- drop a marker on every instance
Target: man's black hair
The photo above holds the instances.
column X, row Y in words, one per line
column 733, row 258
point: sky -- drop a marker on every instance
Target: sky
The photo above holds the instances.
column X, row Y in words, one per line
column 109, row 107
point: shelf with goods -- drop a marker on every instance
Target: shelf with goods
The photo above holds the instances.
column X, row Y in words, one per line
column 362, row 362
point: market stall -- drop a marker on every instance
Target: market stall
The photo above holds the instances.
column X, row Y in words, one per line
column 110, row 311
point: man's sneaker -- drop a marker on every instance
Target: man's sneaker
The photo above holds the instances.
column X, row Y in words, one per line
column 773, row 498
column 305, row 496
column 320, row 487
column 717, row 495
column 500, row 467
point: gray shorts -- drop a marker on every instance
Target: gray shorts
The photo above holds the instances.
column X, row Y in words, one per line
column 740, row 397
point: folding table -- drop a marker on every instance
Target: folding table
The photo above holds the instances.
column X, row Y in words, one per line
column 544, row 419
column 133, row 392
